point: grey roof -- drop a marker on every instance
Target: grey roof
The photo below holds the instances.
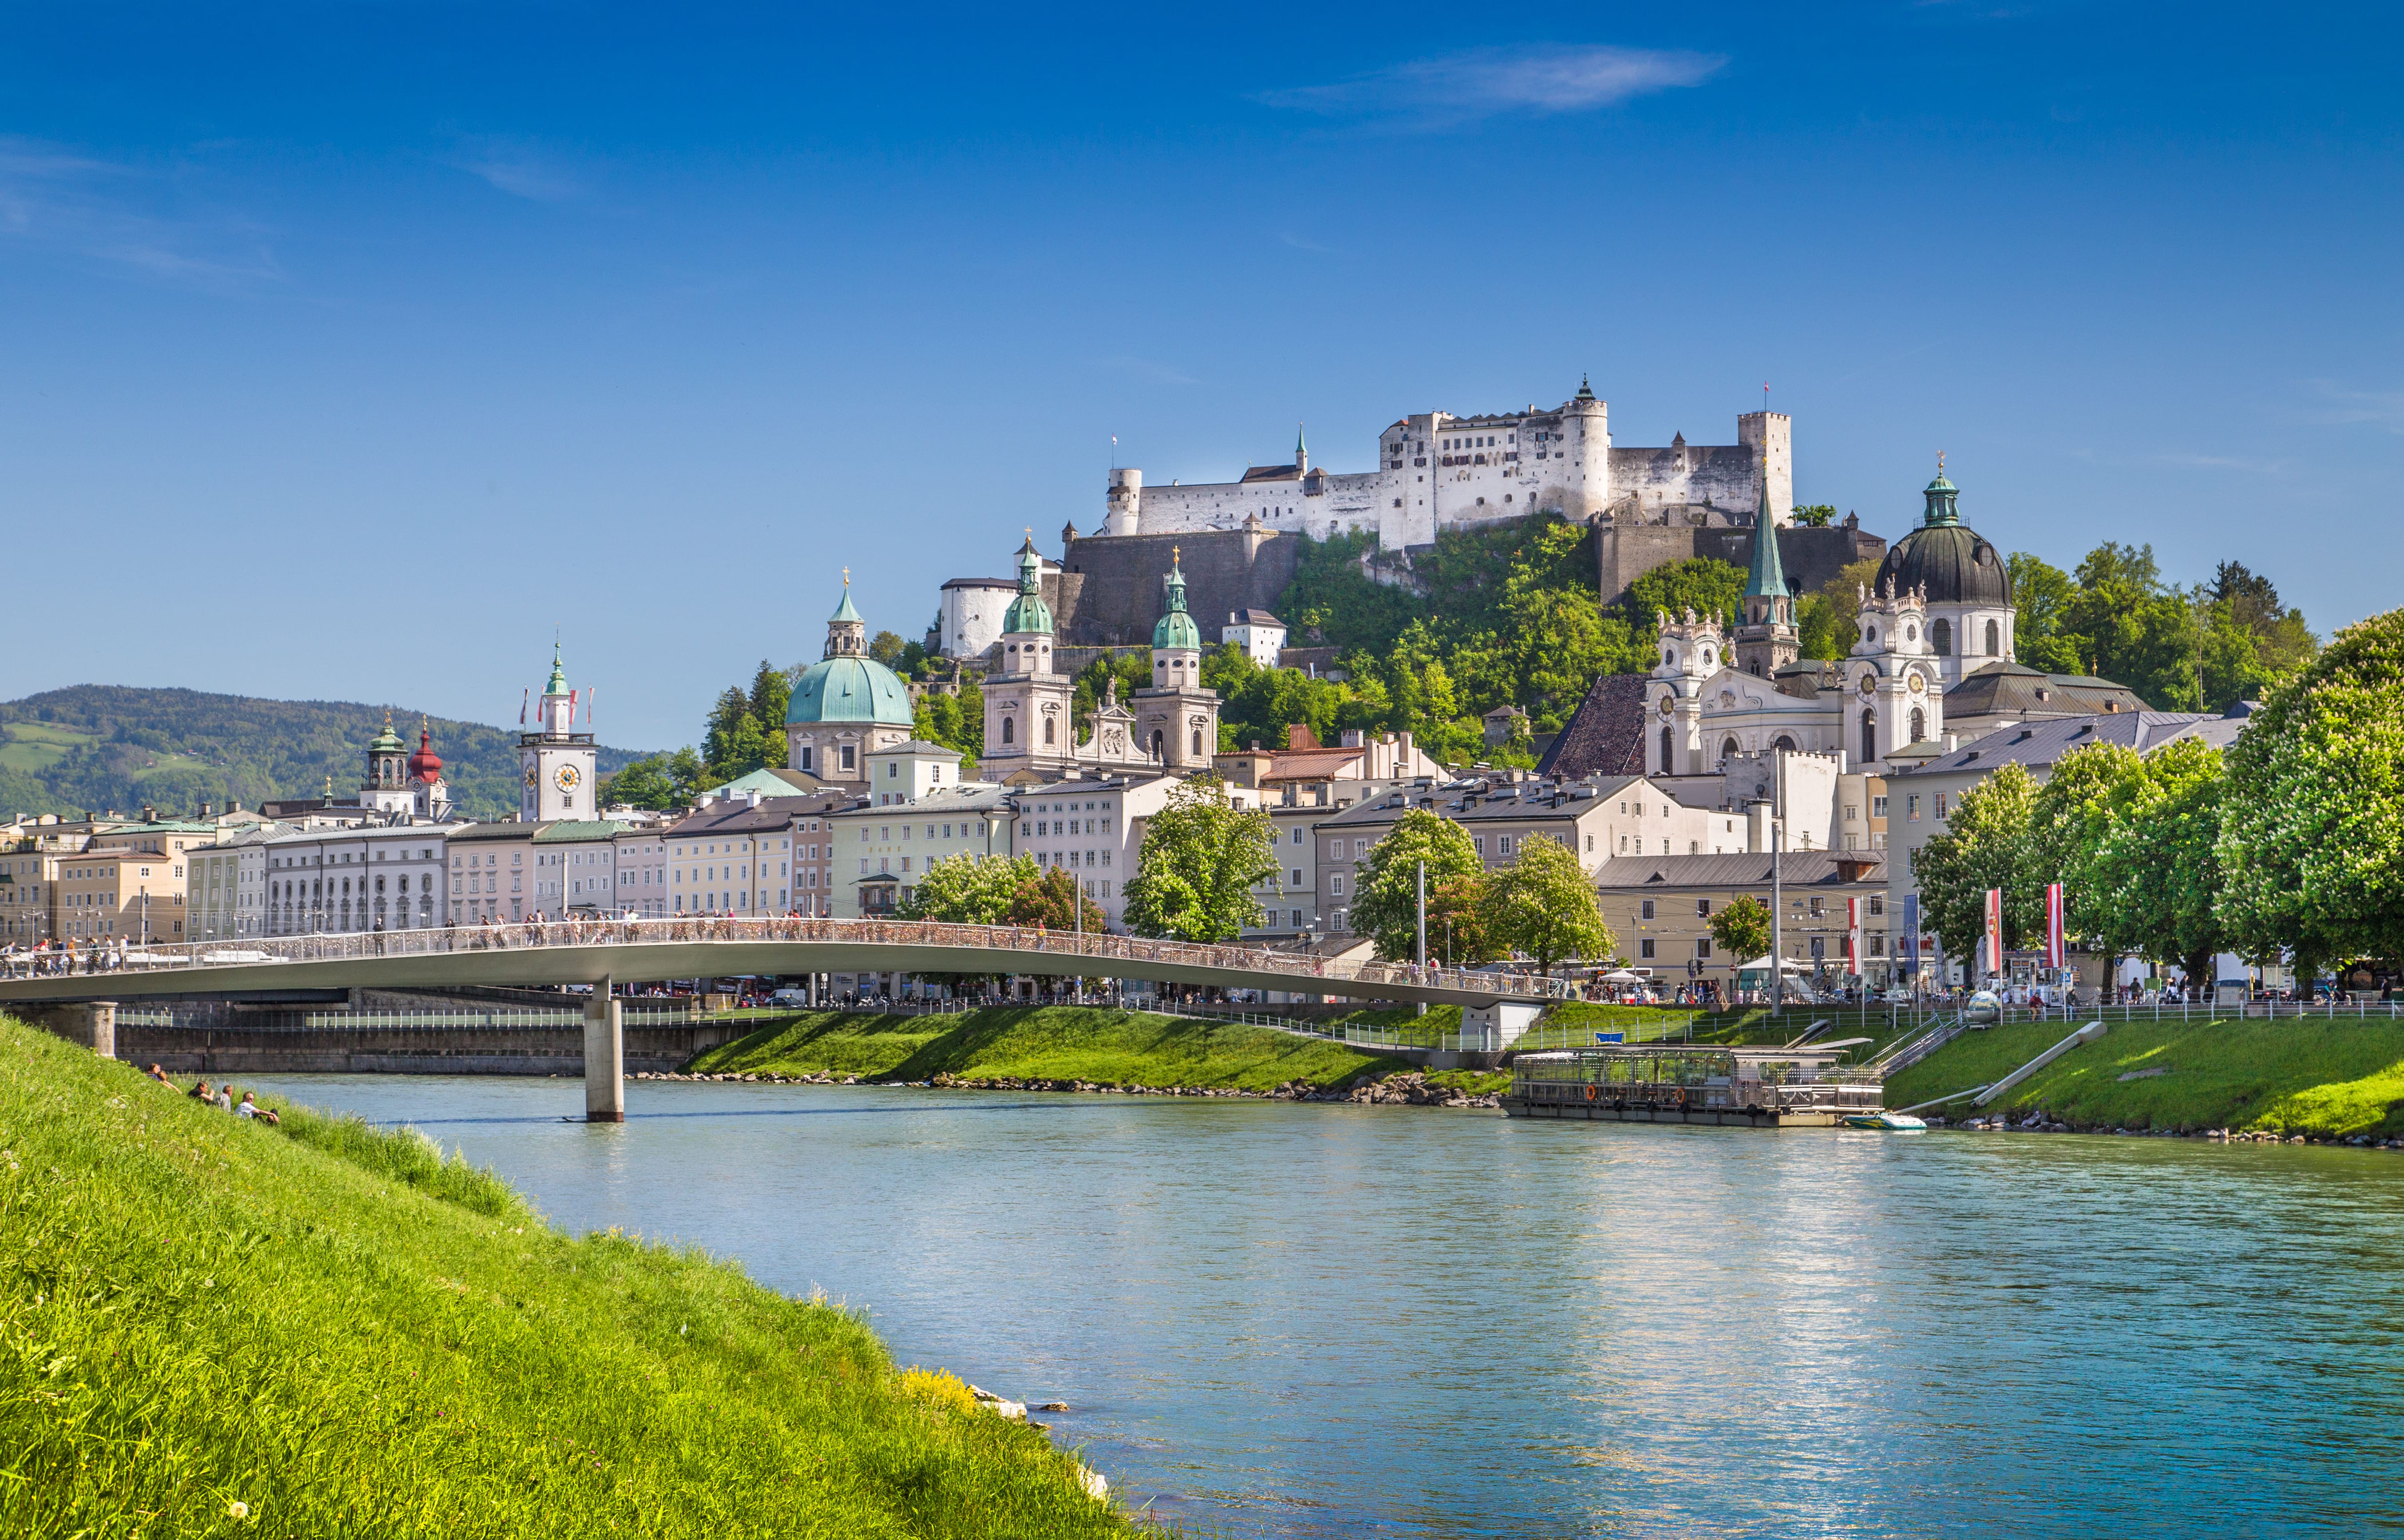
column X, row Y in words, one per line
column 1796, row 869
column 2012, row 689
column 1252, row 617
column 1010, row 584
column 734, row 817
column 1462, row 802
column 2041, row 745
column 1605, row 735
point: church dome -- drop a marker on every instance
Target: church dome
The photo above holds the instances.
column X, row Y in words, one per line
column 1954, row 563
column 850, row 689
column 1028, row 613
column 1177, row 628
column 425, row 765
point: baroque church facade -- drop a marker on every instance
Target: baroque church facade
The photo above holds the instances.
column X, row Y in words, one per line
column 1937, row 626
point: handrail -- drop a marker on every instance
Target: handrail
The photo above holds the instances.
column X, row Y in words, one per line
column 1122, row 955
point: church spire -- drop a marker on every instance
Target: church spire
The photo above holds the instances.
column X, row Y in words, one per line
column 558, row 685
column 1941, row 495
column 1301, row 450
column 1768, row 577
column 846, row 632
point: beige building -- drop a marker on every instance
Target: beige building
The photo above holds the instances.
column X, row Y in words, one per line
column 127, row 884
column 1661, row 909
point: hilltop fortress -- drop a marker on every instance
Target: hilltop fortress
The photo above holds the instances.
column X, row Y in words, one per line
column 1434, row 471
column 1437, row 472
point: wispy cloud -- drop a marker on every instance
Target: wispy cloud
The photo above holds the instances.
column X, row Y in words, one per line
column 57, row 199
column 2382, row 408
column 1146, row 368
column 1290, row 238
column 2184, row 461
column 1490, row 82
column 518, row 167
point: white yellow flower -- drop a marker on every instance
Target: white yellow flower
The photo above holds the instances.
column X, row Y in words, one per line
column 237, row 1509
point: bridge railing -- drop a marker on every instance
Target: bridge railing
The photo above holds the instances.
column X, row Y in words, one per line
column 1113, row 956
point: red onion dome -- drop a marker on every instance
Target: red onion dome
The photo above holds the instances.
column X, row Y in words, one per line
column 425, row 765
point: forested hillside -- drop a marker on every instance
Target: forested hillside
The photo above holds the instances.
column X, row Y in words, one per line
column 94, row 746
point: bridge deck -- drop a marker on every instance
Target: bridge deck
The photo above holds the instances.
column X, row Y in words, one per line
column 649, row 950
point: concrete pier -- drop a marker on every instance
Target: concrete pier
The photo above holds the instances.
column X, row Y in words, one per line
column 90, row 1024
column 605, row 1057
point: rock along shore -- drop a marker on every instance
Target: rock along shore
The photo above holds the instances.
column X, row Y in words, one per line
column 2040, row 1122
column 1409, row 1088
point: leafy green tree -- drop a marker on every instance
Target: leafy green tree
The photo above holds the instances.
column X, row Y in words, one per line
column 647, row 782
column 1815, row 515
column 1829, row 616
column 1460, row 922
column 888, row 648
column 2143, row 638
column 1704, row 585
column 955, row 722
column 1201, row 861
column 2115, row 566
column 1133, row 671
column 1544, row 905
column 2160, row 859
column 2072, row 818
column 2312, row 835
column 772, row 692
column 1985, row 845
column 2041, row 595
column 1051, row 900
column 1384, row 902
column 967, row 889
column 1740, row 929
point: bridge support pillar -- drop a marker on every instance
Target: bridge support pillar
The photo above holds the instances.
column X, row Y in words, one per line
column 88, row 1025
column 605, row 1057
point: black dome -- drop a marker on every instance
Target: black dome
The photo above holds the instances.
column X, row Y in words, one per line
column 1954, row 564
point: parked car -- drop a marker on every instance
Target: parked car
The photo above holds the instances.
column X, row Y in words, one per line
column 790, row 1000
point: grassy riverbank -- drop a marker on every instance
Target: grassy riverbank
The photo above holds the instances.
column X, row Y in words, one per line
column 2318, row 1078
column 345, row 1334
column 1044, row 1042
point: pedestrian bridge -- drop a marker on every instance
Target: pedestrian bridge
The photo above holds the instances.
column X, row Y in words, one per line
column 636, row 951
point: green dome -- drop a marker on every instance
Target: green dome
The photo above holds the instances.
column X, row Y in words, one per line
column 850, row 689
column 1177, row 627
column 1029, row 612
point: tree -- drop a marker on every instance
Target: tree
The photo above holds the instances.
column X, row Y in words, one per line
column 1829, row 617
column 2311, row 819
column 1704, row 585
column 726, row 722
column 1544, row 905
column 1740, row 929
column 651, row 782
column 1814, row 515
column 1985, row 845
column 2072, row 816
column 2160, row 858
column 772, row 692
column 887, row 648
column 2041, row 593
column 970, row 889
column 1384, row 902
column 1459, row 918
column 1201, row 860
column 1051, row 899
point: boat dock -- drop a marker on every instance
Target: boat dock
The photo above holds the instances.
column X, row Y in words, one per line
column 1751, row 1087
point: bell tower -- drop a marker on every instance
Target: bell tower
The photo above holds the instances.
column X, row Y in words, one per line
column 1028, row 722
column 555, row 762
column 1177, row 719
column 1767, row 639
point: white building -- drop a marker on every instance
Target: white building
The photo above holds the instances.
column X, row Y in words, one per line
column 1259, row 635
column 736, row 858
column 971, row 616
column 883, row 848
column 227, row 892
column 370, row 877
column 555, row 762
column 1438, row 471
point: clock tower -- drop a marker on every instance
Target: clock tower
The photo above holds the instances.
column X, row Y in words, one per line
column 556, row 764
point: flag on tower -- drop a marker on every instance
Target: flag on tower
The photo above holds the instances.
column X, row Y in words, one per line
column 588, row 704
column 525, row 700
column 571, row 709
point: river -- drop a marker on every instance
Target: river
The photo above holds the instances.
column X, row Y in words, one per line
column 1274, row 1320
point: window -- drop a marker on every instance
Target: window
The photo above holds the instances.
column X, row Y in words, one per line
column 1940, row 804
column 1703, row 950
column 1878, row 807
column 1941, row 633
column 1648, row 909
column 1644, row 947
column 1911, row 808
column 1703, row 908
column 1336, row 887
column 1877, row 903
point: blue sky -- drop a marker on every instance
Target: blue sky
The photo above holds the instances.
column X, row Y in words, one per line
column 374, row 341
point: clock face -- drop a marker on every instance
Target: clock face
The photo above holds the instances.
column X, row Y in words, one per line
column 565, row 777
column 530, row 775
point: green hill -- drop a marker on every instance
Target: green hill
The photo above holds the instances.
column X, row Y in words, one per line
column 345, row 1334
column 96, row 747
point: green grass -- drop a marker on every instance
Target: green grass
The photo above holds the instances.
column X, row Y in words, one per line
column 2305, row 1077
column 1044, row 1042
column 352, row 1335
column 38, row 746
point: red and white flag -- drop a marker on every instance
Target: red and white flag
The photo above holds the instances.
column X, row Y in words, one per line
column 523, row 701
column 1995, row 948
column 588, row 704
column 1854, row 936
column 2057, row 945
column 571, row 709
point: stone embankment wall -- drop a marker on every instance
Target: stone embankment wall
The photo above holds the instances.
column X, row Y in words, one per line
column 260, row 1048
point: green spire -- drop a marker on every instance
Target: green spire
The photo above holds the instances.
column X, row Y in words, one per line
column 1943, row 509
column 1301, row 450
column 387, row 741
column 558, row 685
column 1767, row 579
column 1028, row 613
column 1585, row 391
column 845, row 611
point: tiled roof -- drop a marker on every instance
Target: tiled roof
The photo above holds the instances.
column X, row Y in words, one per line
column 2012, row 689
column 2040, row 745
column 1604, row 736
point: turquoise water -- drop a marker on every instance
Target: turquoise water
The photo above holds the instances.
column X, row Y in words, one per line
column 1278, row 1319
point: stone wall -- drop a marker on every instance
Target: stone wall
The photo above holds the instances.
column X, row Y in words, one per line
column 1812, row 557
column 1111, row 589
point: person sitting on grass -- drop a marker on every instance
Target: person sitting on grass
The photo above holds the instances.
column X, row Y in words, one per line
column 157, row 1074
column 201, row 1092
column 251, row 1108
column 225, row 1099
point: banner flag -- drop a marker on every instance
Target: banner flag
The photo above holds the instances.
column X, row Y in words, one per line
column 1854, row 936
column 1994, row 948
column 2056, row 946
column 524, row 699
column 1909, row 940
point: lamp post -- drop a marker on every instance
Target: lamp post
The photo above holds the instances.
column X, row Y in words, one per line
column 1422, row 868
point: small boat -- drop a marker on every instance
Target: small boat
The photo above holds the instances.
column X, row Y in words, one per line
column 1893, row 1123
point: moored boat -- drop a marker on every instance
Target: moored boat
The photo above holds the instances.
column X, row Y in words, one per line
column 1894, row 1122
